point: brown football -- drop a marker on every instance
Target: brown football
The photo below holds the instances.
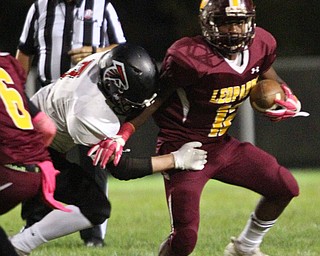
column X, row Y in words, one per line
column 264, row 93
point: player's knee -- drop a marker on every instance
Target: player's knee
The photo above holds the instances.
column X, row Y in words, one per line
column 184, row 242
column 97, row 213
column 291, row 187
column 97, row 218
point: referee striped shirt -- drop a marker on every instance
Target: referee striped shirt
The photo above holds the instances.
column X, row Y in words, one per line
column 53, row 27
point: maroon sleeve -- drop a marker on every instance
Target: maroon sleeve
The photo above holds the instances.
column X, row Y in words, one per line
column 177, row 69
column 267, row 45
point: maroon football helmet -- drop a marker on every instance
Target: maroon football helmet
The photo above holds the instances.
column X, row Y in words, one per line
column 214, row 13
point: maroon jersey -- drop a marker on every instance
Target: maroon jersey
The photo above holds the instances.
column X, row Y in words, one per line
column 19, row 141
column 210, row 89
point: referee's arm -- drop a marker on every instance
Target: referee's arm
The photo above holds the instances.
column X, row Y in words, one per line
column 27, row 44
column 80, row 53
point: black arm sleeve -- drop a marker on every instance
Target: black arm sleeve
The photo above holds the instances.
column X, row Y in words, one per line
column 131, row 168
column 33, row 110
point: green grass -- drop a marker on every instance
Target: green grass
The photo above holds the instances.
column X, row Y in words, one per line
column 139, row 221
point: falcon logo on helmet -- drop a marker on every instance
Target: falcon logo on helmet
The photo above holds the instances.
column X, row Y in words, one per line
column 117, row 75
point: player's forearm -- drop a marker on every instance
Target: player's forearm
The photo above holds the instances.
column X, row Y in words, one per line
column 24, row 60
column 133, row 168
column 272, row 74
column 107, row 48
column 149, row 111
column 78, row 54
column 162, row 163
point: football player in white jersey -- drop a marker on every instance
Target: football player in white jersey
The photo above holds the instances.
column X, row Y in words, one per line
column 86, row 104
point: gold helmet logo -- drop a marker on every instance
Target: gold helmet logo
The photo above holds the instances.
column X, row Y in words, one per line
column 203, row 4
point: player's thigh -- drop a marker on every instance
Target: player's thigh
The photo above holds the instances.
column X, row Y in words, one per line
column 16, row 186
column 182, row 186
column 77, row 186
column 251, row 167
column 73, row 183
column 183, row 189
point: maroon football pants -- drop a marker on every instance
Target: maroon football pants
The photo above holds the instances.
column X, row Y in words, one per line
column 229, row 161
column 17, row 186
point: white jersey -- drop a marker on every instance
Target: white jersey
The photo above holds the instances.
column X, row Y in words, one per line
column 78, row 107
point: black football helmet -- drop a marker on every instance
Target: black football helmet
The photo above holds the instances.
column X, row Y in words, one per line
column 214, row 13
column 128, row 78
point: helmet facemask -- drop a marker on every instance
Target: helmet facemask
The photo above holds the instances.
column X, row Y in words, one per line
column 213, row 16
column 120, row 104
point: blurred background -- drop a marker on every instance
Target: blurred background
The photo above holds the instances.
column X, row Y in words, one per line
column 155, row 25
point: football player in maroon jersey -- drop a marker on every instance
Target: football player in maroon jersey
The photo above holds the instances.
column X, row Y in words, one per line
column 204, row 80
column 26, row 169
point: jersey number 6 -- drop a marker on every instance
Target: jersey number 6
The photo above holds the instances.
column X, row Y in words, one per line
column 13, row 102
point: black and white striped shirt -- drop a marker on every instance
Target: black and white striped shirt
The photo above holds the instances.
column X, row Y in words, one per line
column 53, row 27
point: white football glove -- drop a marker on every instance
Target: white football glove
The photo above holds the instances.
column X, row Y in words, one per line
column 189, row 157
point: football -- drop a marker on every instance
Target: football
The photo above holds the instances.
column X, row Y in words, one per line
column 264, row 93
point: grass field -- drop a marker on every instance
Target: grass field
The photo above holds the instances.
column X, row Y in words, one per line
column 139, row 221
